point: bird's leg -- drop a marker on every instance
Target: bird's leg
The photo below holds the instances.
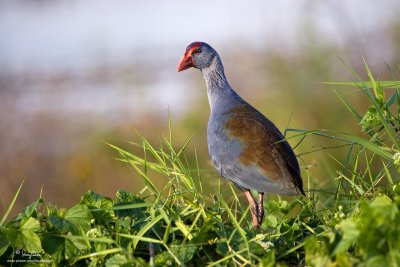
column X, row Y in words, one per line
column 253, row 208
column 260, row 214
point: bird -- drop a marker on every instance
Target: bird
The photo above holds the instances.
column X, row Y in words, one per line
column 245, row 147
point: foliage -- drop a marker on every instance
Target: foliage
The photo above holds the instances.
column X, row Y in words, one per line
column 357, row 223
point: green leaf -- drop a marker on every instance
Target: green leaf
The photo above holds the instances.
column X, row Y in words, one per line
column 100, row 206
column 125, row 199
column 62, row 225
column 255, row 248
column 164, row 259
column 26, row 237
column 12, row 235
column 222, row 249
column 272, row 206
column 379, row 261
column 384, row 207
column 316, row 252
column 207, row 232
column 93, row 199
column 29, row 241
column 271, row 221
column 75, row 247
column 184, row 252
column 75, row 218
column 351, row 232
column 4, row 243
column 80, row 216
column 29, row 210
column 54, row 245
column 268, row 259
column 370, row 120
column 65, row 247
column 117, row 260
column 30, row 224
column 144, row 229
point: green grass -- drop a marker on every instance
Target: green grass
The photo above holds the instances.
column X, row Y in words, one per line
column 355, row 223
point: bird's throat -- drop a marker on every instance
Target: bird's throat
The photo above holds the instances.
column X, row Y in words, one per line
column 214, row 75
column 220, row 94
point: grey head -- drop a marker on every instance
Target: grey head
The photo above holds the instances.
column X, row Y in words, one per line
column 202, row 56
column 198, row 55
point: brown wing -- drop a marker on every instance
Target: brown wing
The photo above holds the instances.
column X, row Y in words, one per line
column 263, row 146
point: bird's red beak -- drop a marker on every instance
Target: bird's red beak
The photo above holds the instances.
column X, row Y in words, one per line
column 185, row 62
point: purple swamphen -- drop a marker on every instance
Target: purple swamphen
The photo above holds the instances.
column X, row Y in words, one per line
column 245, row 147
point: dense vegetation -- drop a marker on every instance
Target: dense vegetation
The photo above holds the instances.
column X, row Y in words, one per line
column 358, row 222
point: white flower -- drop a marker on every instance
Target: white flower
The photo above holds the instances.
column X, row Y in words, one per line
column 266, row 245
column 94, row 232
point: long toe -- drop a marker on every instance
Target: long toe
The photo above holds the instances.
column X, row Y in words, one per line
column 260, row 215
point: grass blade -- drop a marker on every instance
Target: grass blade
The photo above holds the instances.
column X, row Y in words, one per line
column 3, row 219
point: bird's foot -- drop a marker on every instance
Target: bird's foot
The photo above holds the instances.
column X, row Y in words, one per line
column 260, row 214
column 253, row 208
column 254, row 215
column 260, row 208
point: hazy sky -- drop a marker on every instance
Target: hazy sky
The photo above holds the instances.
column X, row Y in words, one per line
column 64, row 33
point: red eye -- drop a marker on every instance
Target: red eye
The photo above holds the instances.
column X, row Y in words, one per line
column 197, row 51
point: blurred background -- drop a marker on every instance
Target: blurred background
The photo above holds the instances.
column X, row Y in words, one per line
column 75, row 75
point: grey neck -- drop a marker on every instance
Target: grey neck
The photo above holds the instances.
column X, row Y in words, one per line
column 220, row 94
column 214, row 75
